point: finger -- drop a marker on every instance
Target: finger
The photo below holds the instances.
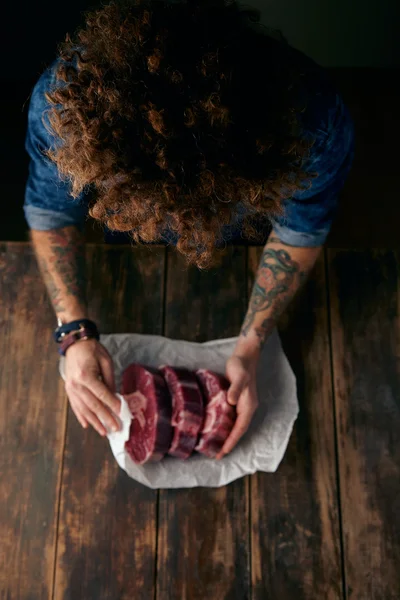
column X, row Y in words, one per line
column 101, row 391
column 107, row 372
column 108, row 421
column 80, row 417
column 94, row 422
column 240, row 427
column 74, row 402
column 235, row 390
column 101, row 411
column 84, row 415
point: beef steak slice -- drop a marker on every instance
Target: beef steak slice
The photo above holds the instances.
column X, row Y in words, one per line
column 220, row 416
column 149, row 401
column 187, row 409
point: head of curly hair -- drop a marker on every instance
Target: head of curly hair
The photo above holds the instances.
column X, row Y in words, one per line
column 173, row 115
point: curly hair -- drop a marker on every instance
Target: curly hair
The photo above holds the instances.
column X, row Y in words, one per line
column 174, row 114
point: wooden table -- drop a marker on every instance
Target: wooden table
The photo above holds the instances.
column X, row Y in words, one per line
column 73, row 526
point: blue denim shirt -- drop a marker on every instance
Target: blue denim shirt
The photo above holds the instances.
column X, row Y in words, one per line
column 307, row 215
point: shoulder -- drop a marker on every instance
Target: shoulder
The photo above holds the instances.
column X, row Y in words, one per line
column 318, row 99
column 324, row 117
column 46, row 82
column 38, row 106
column 325, row 122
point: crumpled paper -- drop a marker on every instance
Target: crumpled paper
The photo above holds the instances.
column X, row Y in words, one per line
column 260, row 449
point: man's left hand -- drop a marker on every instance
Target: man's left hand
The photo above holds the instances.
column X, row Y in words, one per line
column 242, row 393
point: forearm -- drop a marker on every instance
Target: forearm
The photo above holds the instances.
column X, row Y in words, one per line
column 61, row 258
column 281, row 272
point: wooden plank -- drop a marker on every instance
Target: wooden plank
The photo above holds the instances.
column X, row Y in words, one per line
column 203, row 547
column 366, row 344
column 107, row 532
column 295, row 524
column 32, row 428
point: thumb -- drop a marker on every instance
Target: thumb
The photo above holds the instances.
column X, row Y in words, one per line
column 235, row 390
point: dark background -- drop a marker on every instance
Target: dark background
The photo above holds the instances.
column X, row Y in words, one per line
column 31, row 32
column 357, row 42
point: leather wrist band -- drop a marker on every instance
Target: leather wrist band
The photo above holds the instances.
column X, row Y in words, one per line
column 75, row 336
column 63, row 330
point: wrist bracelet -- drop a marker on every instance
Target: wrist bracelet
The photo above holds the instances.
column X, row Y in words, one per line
column 75, row 336
column 74, row 326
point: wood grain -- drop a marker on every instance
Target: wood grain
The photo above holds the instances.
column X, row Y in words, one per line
column 295, row 523
column 32, row 429
column 366, row 349
column 203, row 547
column 107, row 531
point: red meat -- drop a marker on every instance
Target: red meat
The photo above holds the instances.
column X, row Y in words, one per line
column 187, row 410
column 219, row 414
column 149, row 401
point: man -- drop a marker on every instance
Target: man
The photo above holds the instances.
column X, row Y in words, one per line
column 184, row 124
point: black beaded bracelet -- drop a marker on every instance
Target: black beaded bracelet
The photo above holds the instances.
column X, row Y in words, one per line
column 67, row 328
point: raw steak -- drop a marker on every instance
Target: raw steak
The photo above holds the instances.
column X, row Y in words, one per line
column 149, row 401
column 219, row 415
column 187, row 409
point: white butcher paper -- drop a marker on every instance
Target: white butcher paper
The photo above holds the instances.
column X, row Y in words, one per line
column 260, row 449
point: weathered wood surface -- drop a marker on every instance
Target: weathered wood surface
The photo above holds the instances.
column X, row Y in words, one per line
column 203, row 547
column 32, row 428
column 364, row 291
column 107, row 529
column 108, row 545
column 295, row 523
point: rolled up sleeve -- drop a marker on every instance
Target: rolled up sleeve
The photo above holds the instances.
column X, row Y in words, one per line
column 48, row 203
column 308, row 215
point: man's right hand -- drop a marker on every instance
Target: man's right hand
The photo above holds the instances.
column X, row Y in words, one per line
column 90, row 385
column 88, row 366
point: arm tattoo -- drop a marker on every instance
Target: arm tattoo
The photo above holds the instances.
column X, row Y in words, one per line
column 273, row 289
column 64, row 270
column 51, row 286
column 263, row 330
